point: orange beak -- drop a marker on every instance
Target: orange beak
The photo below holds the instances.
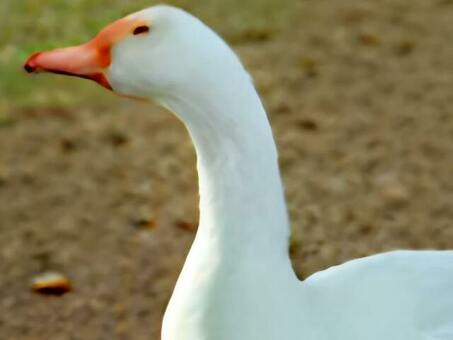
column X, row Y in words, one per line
column 89, row 60
column 82, row 61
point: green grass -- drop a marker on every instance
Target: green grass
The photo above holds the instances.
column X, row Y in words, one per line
column 31, row 25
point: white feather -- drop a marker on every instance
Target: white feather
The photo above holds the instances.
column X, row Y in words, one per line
column 237, row 282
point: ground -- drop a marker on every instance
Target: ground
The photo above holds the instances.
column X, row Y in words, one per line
column 104, row 190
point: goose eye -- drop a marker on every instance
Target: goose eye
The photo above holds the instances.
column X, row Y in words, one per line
column 141, row 29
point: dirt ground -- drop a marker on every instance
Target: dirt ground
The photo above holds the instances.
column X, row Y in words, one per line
column 359, row 94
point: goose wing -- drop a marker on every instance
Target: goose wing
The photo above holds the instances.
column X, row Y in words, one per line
column 401, row 295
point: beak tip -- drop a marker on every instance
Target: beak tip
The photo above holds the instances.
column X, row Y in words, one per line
column 29, row 68
column 30, row 65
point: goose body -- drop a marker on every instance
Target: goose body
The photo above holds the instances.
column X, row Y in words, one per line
column 237, row 282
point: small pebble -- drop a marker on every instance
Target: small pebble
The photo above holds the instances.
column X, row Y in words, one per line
column 392, row 190
column 51, row 283
column 404, row 48
column 117, row 138
column 310, row 67
column 145, row 223
column 184, row 225
column 369, row 39
column 307, row 124
column 67, row 145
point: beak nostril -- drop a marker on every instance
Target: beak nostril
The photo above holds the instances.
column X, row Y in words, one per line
column 29, row 68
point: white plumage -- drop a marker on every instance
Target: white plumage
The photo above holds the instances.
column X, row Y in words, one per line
column 237, row 282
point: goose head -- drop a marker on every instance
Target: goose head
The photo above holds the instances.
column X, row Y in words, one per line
column 157, row 53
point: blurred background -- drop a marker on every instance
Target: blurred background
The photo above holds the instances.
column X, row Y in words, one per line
column 103, row 190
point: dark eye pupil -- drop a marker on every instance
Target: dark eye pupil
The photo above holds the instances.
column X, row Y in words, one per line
column 141, row 29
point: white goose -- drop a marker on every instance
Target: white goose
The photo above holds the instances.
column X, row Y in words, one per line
column 237, row 282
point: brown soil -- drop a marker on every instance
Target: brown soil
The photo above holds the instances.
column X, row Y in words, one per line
column 359, row 95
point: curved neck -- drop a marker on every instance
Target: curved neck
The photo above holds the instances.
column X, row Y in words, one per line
column 242, row 207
